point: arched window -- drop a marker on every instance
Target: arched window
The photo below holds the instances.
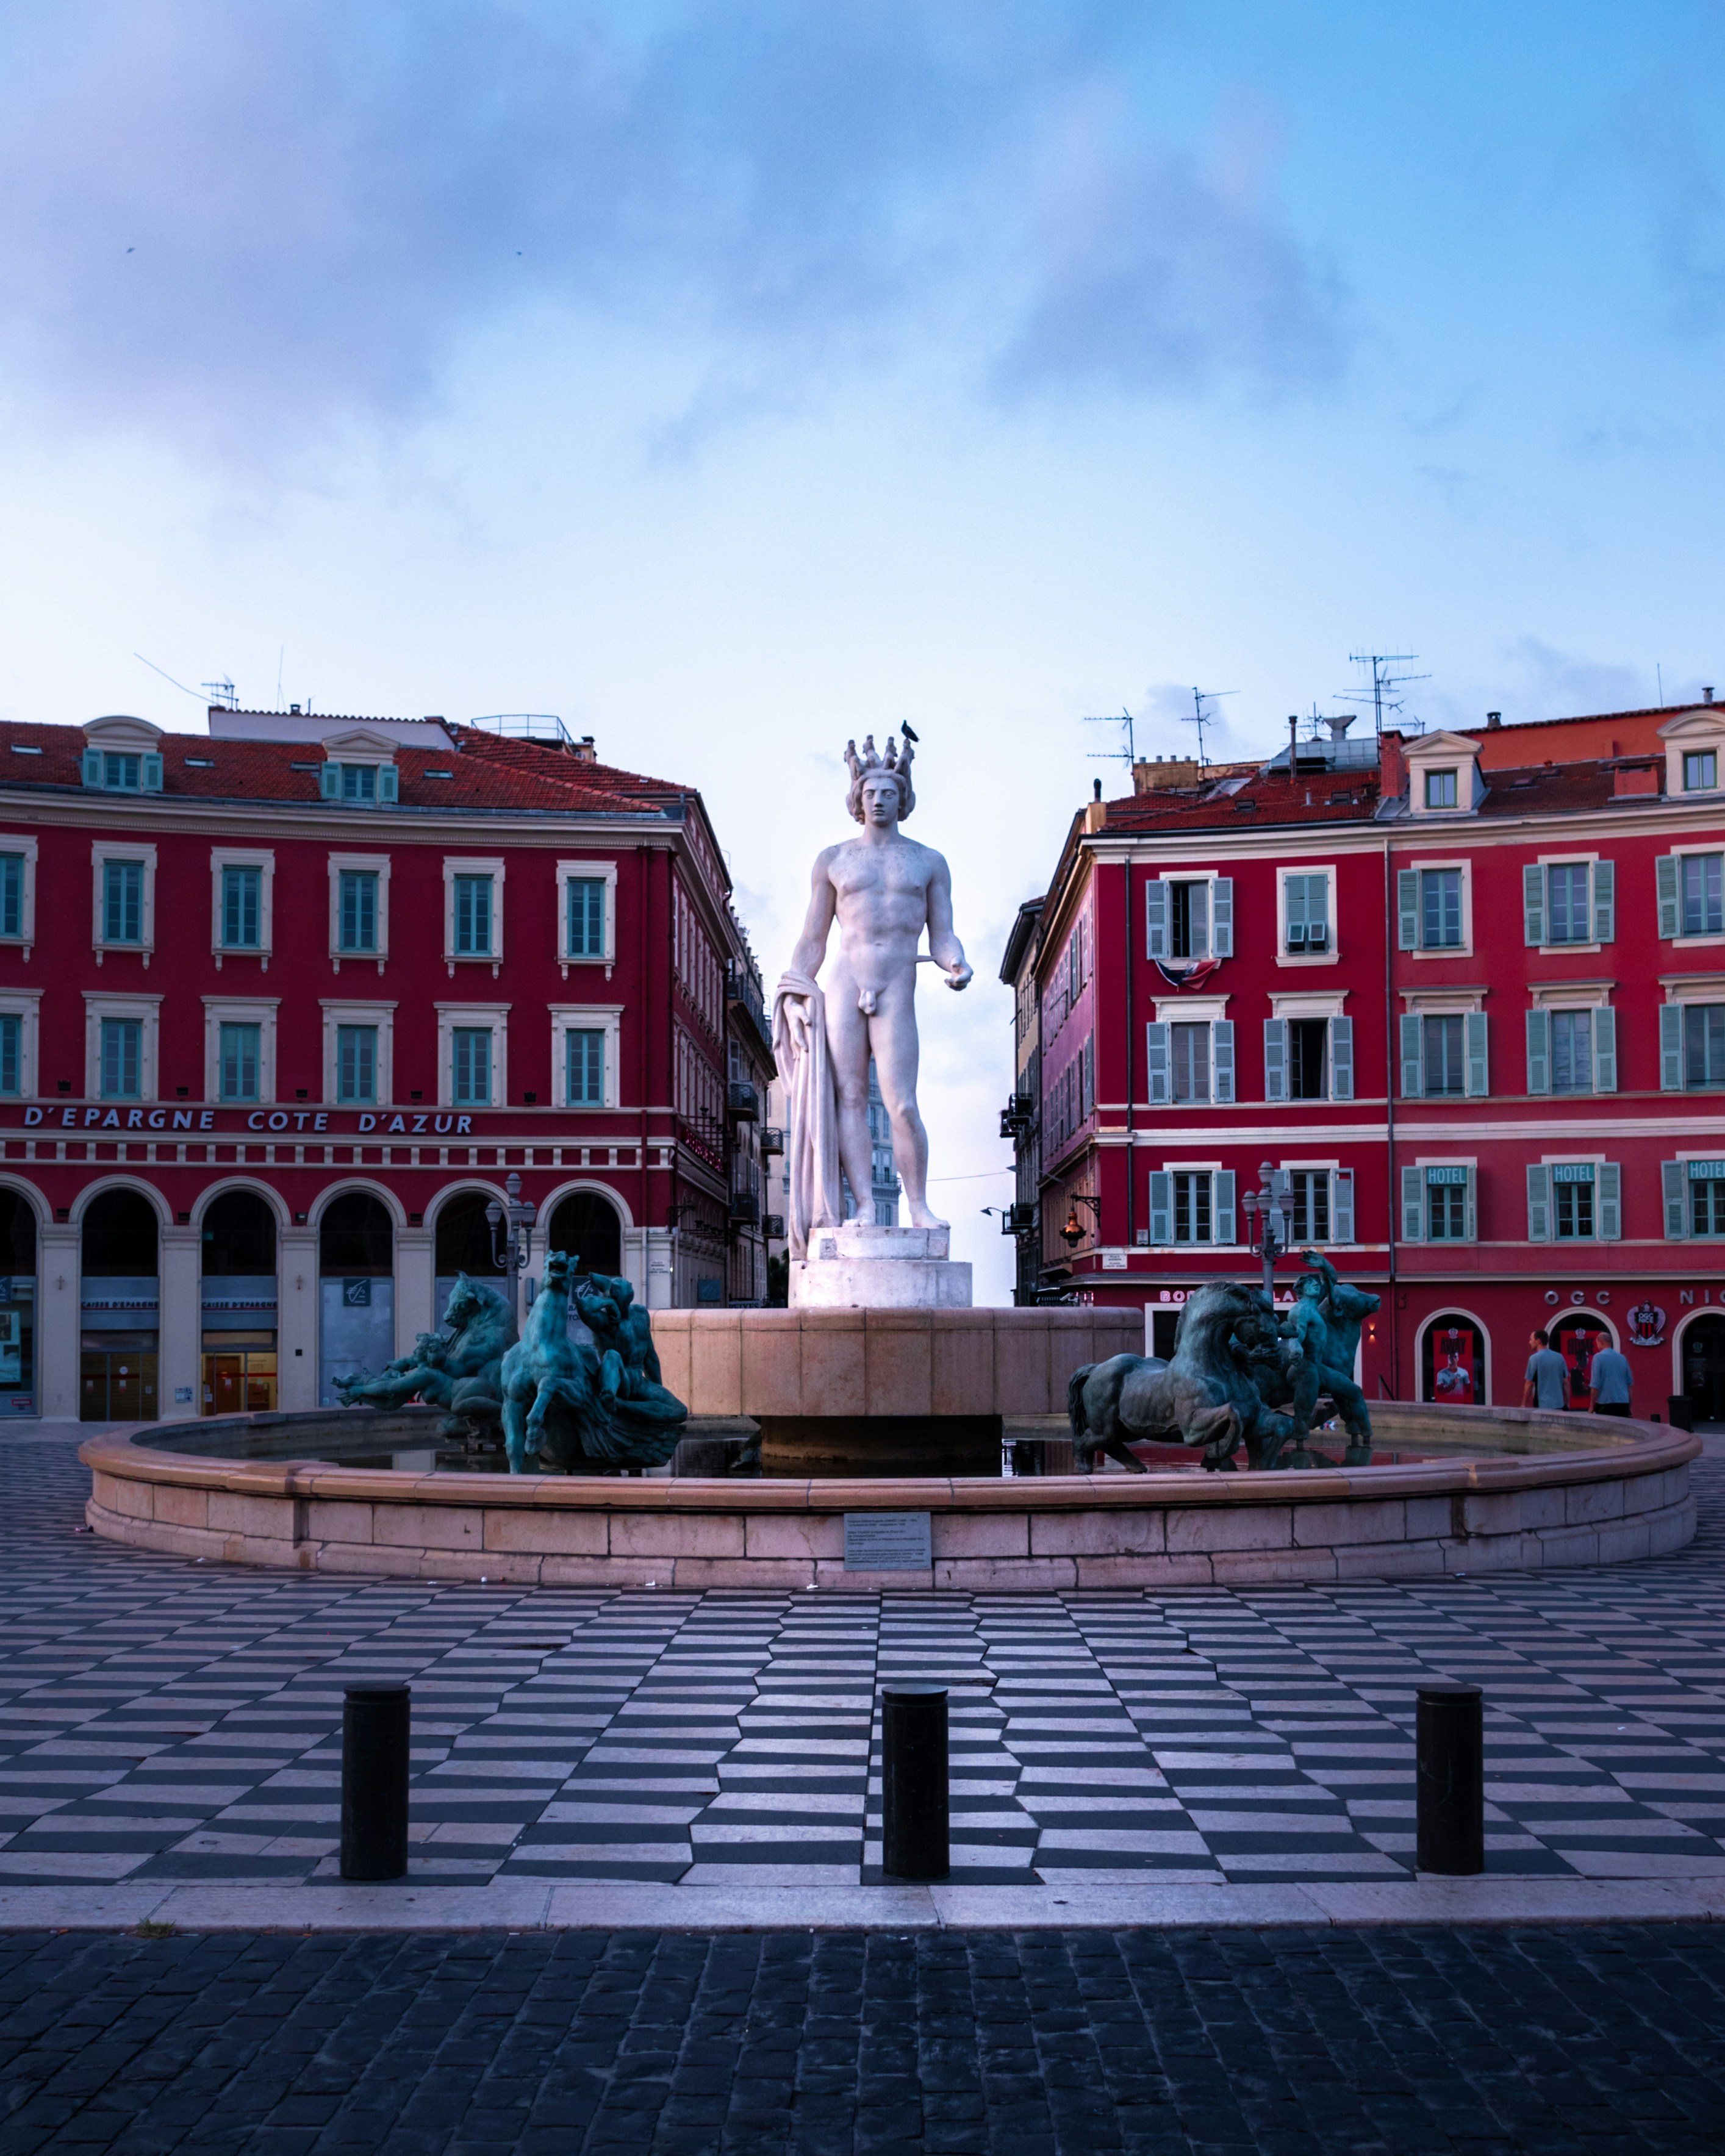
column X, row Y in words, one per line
column 1452, row 1363
column 1577, row 1338
column 17, row 1233
column 120, row 1236
column 464, row 1237
column 1704, row 1368
column 356, row 1237
column 590, row 1229
column 238, row 1236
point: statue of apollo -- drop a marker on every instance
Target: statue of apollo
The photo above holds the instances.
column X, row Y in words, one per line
column 882, row 888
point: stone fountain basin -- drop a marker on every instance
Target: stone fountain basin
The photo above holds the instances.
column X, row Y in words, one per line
column 1496, row 1489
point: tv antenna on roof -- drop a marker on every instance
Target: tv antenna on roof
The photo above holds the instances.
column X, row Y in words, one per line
column 1384, row 683
column 1200, row 718
column 1128, row 755
column 222, row 692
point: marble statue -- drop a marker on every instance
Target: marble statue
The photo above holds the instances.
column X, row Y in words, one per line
column 572, row 1408
column 883, row 890
column 459, row 1368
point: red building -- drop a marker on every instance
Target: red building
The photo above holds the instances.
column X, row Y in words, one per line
column 1463, row 991
column 282, row 1006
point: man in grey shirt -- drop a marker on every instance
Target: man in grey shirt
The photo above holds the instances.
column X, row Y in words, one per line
column 1547, row 1375
column 1611, row 1381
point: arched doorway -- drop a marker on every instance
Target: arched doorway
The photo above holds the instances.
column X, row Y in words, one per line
column 1578, row 1337
column 464, row 1244
column 18, row 1304
column 589, row 1228
column 120, row 1310
column 1452, row 1362
column 1703, row 1350
column 356, row 1290
column 239, row 1304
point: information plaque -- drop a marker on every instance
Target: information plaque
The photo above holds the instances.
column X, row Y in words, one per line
column 887, row 1542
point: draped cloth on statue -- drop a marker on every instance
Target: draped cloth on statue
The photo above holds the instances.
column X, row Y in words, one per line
column 817, row 1197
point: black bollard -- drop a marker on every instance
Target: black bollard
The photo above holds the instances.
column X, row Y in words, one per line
column 1449, row 1789
column 374, row 1782
column 913, row 1782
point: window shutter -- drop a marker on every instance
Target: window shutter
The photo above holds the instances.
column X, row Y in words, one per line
column 1473, row 1027
column 1222, row 1058
column 1089, row 1075
column 1293, row 889
column 1275, row 1059
column 1538, row 1204
column 1665, row 868
column 1222, row 1205
column 387, row 781
column 1156, row 919
column 1604, row 1032
column 329, row 782
column 1608, row 1207
column 1199, row 915
column 1317, row 932
column 1675, row 1184
column 1282, row 1184
column 1670, row 1048
column 1156, row 1046
column 1413, row 1056
column 150, row 772
column 1604, row 901
column 1412, row 1205
column 1341, row 1059
column 1470, row 1218
column 1533, row 904
column 1221, row 917
column 92, row 763
column 1539, row 1052
column 1162, row 1187
column 1407, row 907
column 1342, row 1205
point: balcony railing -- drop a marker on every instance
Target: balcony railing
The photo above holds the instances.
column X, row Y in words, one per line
column 744, row 1101
column 1017, row 1116
column 1018, row 1220
column 772, row 1138
column 772, row 1227
column 744, row 1207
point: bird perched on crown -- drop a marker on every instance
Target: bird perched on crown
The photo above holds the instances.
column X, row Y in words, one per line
column 882, row 889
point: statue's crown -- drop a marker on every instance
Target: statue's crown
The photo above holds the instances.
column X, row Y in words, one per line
column 897, row 763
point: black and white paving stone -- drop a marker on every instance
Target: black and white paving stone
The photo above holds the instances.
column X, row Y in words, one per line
column 163, row 1721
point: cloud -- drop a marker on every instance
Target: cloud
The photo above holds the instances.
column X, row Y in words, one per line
column 255, row 225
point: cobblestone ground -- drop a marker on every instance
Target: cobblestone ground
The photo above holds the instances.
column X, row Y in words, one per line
column 1293, row 2044
column 166, row 1720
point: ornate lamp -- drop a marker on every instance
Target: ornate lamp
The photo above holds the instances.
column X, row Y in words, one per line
column 1072, row 1234
column 516, row 1222
column 1261, row 1207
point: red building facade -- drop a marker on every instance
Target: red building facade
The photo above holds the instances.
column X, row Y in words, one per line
column 282, row 1007
column 1464, row 991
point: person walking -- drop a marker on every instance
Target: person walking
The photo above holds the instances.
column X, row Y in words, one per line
column 1548, row 1374
column 1611, row 1382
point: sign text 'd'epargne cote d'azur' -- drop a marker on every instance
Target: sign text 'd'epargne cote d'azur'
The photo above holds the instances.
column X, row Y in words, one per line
column 406, row 1122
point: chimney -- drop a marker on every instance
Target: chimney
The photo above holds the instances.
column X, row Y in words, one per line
column 1494, row 718
column 1707, row 693
column 1095, row 789
column 1293, row 746
column 583, row 750
column 1391, row 767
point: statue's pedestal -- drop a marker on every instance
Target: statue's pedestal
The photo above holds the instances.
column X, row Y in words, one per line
column 862, row 1267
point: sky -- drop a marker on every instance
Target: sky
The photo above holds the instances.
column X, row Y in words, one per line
column 734, row 379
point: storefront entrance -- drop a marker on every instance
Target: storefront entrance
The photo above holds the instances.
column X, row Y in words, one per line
column 238, row 1373
column 1704, row 1368
column 1578, row 1339
column 1452, row 1363
column 117, row 1378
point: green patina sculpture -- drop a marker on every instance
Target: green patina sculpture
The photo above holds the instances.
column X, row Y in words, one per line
column 572, row 1408
column 459, row 1369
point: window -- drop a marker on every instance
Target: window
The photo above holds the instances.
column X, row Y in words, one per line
column 1568, row 902
column 1572, row 1051
column 1702, row 902
column 122, row 901
column 1701, row 771
column 1573, row 1201
column 122, row 771
column 1446, row 1204
column 242, row 909
column 1187, row 1062
column 1703, row 1046
column 1445, row 1062
column 584, row 903
column 1190, row 919
column 1444, row 1054
column 360, row 785
column 356, row 1063
column 473, row 916
column 1192, row 1207
column 1309, row 1189
column 358, row 913
column 359, row 782
column 12, row 894
column 237, row 1063
column 1308, row 1059
column 1570, row 916
column 12, row 1056
column 123, row 1053
column 585, row 1054
column 1191, row 1051
column 1707, row 1197
column 1440, row 789
column 471, row 1067
column 1306, row 903
column 1440, row 908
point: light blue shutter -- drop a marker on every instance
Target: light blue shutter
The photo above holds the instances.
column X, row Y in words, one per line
column 1317, row 929
column 1604, row 1031
column 1604, row 901
column 1538, row 1051
column 1162, row 1206
column 1608, row 1201
column 1413, row 1056
column 1198, row 914
column 1474, row 1026
column 1156, row 1047
column 1675, row 1185
column 329, row 782
column 387, row 782
column 1156, row 919
column 1222, row 1058
column 92, row 763
column 1294, row 903
column 1670, row 1048
column 1412, row 1205
column 1406, row 908
column 1342, row 1205
column 1341, row 1059
column 1538, row 1204
column 1275, row 1059
column 1533, row 904
column 1221, row 917
column 1665, row 870
column 152, row 772
column 1222, row 1205
column 1471, row 1218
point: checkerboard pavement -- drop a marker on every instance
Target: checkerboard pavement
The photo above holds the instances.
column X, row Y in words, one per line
column 175, row 1722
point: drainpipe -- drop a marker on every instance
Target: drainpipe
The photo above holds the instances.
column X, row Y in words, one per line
column 1131, row 1165
column 1389, row 1078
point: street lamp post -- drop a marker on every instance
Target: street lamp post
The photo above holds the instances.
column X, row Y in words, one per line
column 1261, row 1207
column 514, row 1222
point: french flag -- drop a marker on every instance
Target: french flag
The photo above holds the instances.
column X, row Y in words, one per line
column 1193, row 977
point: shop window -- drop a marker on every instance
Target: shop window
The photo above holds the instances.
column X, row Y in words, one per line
column 117, row 1359
column 1704, row 1368
column 587, row 1228
column 1578, row 1338
column 1452, row 1362
column 464, row 1240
